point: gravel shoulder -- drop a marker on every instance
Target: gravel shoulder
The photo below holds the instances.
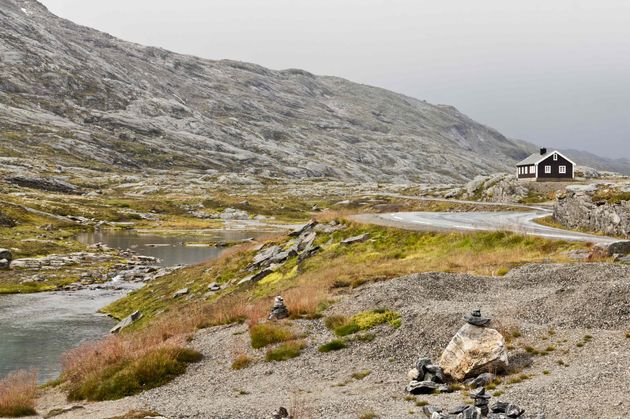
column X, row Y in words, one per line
column 549, row 305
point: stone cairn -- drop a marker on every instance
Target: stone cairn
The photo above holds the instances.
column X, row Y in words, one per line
column 279, row 310
column 429, row 378
column 476, row 319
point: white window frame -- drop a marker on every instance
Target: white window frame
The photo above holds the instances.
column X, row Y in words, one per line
column 547, row 169
column 563, row 170
column 555, row 156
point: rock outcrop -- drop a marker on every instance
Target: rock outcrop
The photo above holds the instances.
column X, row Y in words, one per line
column 499, row 187
column 126, row 322
column 580, row 207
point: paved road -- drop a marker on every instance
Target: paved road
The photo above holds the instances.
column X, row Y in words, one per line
column 521, row 222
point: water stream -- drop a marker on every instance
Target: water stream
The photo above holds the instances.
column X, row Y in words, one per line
column 36, row 329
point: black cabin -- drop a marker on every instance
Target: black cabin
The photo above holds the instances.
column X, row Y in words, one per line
column 546, row 166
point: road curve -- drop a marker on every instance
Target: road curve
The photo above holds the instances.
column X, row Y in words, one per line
column 520, row 222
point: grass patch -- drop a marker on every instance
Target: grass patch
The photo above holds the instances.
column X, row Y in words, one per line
column 285, row 351
column 126, row 378
column 264, row 334
column 361, row 374
column 365, row 320
column 333, row 345
column 17, row 394
column 241, row 361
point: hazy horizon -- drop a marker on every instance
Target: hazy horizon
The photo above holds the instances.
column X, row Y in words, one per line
column 552, row 73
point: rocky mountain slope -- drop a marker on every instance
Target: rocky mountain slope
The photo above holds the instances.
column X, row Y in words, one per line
column 81, row 97
column 77, row 96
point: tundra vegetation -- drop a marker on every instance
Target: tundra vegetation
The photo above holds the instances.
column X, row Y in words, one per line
column 154, row 349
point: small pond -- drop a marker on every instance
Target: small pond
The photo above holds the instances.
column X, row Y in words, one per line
column 171, row 250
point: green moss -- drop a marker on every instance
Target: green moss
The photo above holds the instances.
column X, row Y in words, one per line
column 264, row 334
column 333, row 345
column 365, row 320
column 285, row 351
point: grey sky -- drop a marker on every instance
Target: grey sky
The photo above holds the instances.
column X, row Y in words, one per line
column 554, row 72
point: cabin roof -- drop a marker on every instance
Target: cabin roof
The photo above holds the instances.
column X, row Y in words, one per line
column 537, row 158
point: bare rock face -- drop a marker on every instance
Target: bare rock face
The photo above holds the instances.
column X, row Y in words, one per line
column 474, row 350
column 579, row 207
column 90, row 97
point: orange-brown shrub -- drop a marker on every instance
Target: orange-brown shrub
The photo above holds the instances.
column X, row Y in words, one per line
column 17, row 394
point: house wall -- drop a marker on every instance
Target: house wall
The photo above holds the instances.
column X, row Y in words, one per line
column 555, row 168
column 531, row 173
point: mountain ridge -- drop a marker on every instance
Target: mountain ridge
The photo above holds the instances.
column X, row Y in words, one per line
column 74, row 95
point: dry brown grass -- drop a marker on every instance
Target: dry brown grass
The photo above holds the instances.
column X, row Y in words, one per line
column 17, row 394
column 306, row 301
column 170, row 331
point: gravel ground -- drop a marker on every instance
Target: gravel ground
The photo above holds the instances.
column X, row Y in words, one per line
column 548, row 304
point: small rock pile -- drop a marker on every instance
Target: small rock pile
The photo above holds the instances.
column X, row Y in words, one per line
column 279, row 310
column 481, row 409
column 426, row 378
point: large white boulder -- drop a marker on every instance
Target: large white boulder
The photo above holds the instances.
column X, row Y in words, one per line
column 474, row 350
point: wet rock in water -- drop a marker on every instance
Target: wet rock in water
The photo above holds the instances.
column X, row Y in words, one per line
column 356, row 239
column 281, row 413
column 180, row 293
column 421, row 387
column 279, row 310
column 476, row 319
column 127, row 321
column 474, row 350
column 214, row 287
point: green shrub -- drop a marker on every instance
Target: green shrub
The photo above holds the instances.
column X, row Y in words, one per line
column 347, row 329
column 333, row 345
column 241, row 361
column 342, row 326
column 368, row 319
column 264, row 334
column 129, row 377
column 285, row 351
